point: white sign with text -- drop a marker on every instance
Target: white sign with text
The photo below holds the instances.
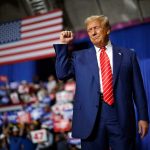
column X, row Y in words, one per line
column 39, row 136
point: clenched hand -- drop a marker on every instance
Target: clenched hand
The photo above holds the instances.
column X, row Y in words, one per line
column 66, row 37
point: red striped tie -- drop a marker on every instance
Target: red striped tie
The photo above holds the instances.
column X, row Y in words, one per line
column 106, row 74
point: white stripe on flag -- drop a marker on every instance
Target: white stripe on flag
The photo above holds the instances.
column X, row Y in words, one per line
column 43, row 17
column 27, row 55
column 42, row 24
column 42, row 31
column 28, row 48
column 30, row 40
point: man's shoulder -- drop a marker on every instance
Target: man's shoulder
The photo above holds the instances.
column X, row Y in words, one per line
column 82, row 51
column 123, row 49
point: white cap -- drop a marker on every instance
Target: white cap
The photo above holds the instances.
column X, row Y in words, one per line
column 15, row 129
column 44, row 126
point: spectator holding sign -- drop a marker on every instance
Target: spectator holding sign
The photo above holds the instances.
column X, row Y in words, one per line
column 48, row 143
column 26, row 138
column 14, row 139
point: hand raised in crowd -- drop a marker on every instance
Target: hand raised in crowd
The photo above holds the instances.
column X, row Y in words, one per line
column 66, row 37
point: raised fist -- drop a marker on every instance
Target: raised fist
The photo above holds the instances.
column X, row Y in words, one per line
column 66, row 37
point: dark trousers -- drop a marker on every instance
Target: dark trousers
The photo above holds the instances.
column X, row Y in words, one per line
column 107, row 133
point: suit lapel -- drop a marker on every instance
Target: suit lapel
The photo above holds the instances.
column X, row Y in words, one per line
column 117, row 59
column 94, row 66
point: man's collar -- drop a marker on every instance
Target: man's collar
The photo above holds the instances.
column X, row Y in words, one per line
column 107, row 46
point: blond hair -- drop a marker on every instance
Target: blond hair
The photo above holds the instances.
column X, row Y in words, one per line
column 101, row 18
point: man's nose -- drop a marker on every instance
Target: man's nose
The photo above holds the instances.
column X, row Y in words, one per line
column 93, row 32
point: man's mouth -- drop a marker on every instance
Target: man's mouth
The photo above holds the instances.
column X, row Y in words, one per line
column 95, row 38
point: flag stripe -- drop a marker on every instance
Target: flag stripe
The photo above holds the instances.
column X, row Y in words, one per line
column 35, row 19
column 41, row 31
column 41, row 25
column 30, row 41
column 27, row 55
column 49, row 42
column 28, row 47
column 50, row 54
column 39, row 35
column 30, row 50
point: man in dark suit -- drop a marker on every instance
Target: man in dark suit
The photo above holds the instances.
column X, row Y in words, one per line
column 108, row 84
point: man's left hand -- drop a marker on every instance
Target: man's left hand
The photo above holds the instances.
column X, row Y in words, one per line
column 143, row 128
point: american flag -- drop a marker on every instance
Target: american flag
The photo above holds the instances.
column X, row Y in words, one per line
column 30, row 38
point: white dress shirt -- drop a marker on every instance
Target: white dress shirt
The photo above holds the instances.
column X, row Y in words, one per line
column 109, row 52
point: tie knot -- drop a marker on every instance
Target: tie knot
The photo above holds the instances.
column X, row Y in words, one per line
column 103, row 48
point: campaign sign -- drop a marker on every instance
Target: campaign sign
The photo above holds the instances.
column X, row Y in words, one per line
column 24, row 117
column 14, row 97
column 64, row 96
column 60, row 108
column 38, row 136
column 62, row 126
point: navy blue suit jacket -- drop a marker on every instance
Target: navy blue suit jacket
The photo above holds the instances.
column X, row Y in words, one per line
column 127, row 83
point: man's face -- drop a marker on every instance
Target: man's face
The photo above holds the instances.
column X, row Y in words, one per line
column 98, row 33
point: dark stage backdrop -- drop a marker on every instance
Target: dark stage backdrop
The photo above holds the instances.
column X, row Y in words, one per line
column 137, row 38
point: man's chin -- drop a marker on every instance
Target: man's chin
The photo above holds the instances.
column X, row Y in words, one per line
column 97, row 43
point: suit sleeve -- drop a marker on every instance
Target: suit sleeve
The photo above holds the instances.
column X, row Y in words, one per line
column 139, row 94
column 64, row 64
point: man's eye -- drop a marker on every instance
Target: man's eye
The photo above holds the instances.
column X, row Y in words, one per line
column 89, row 30
column 97, row 27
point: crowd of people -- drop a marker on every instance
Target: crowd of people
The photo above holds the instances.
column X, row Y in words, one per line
column 43, row 120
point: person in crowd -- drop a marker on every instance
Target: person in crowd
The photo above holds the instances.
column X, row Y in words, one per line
column 108, row 83
column 51, row 85
column 14, row 139
column 61, row 141
column 3, row 142
column 47, row 145
column 26, row 142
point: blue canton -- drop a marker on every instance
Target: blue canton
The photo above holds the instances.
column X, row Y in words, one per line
column 10, row 32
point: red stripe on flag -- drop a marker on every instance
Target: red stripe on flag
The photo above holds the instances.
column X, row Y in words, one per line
column 28, row 59
column 40, row 28
column 38, row 15
column 29, row 44
column 41, row 34
column 37, row 49
column 44, row 20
